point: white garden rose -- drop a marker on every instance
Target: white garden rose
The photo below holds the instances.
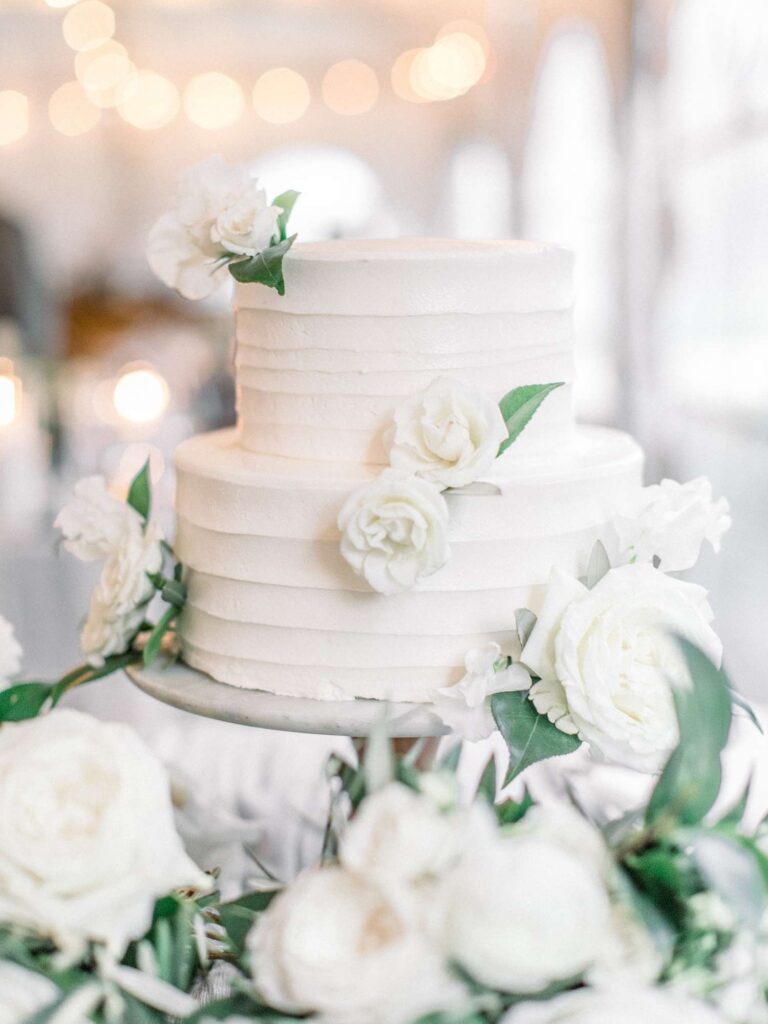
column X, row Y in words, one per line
column 334, row 945
column 465, row 706
column 619, row 1005
column 23, row 993
column 394, row 531
column 87, row 840
column 95, row 523
column 220, row 211
column 119, row 600
column 670, row 521
column 10, row 652
column 608, row 659
column 519, row 914
column 449, row 434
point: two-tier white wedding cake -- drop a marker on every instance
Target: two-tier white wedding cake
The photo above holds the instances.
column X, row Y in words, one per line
column 363, row 326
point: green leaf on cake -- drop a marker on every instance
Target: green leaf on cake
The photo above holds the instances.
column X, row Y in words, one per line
column 519, row 406
column 140, row 492
column 690, row 782
column 599, row 565
column 155, row 641
column 530, row 737
column 525, row 620
column 23, row 701
column 286, row 201
column 265, row 267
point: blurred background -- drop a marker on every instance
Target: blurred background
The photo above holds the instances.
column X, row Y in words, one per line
column 633, row 131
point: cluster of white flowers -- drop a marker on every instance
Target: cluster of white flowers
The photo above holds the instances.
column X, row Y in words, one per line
column 395, row 529
column 10, row 653
column 97, row 526
column 23, row 993
column 221, row 211
column 87, row 836
column 620, row 1005
column 421, row 890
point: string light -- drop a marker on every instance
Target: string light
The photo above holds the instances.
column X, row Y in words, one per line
column 70, row 110
column 148, row 101
column 140, row 394
column 281, row 95
column 14, row 116
column 88, row 24
column 350, row 87
column 213, row 100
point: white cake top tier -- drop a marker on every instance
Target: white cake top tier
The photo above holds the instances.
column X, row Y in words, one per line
column 418, row 276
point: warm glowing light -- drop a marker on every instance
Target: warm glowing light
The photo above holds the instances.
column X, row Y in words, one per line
column 104, row 67
column 14, row 116
column 448, row 68
column 350, row 87
column 402, row 71
column 10, row 393
column 70, row 110
column 213, row 100
column 148, row 100
column 88, row 24
column 141, row 394
column 469, row 28
column 281, row 95
column 60, row 3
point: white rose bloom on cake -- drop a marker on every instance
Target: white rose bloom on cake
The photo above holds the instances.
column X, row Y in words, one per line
column 449, row 434
column 620, row 1005
column 333, row 944
column 607, row 658
column 87, row 839
column 96, row 523
column 10, row 652
column 394, row 531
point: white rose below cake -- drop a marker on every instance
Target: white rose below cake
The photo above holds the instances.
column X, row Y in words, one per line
column 313, row 569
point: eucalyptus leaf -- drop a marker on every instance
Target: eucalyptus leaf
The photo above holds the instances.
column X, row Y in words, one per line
column 730, row 870
column 599, row 564
column 140, row 492
column 525, row 620
column 286, row 201
column 690, row 782
column 23, row 701
column 519, row 406
column 265, row 267
column 530, row 737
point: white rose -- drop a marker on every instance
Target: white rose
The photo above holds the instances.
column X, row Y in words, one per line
column 394, row 531
column 465, row 706
column 183, row 260
column 117, row 604
column 449, row 434
column 209, row 187
column 248, row 225
column 95, row 523
column 622, row 1005
column 10, row 652
column 615, row 660
column 670, row 521
column 520, row 913
column 87, row 840
column 333, row 944
column 23, row 993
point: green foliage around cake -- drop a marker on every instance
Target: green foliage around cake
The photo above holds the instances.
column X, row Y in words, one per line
column 519, row 406
column 266, row 267
column 529, row 736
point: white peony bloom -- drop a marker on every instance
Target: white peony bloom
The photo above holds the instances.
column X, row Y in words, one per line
column 23, row 993
column 87, row 840
column 334, row 945
column 615, row 1005
column 10, row 652
column 519, row 914
column 220, row 211
column 670, row 521
column 449, row 434
column 464, row 707
column 615, row 659
column 119, row 600
column 394, row 531
column 95, row 523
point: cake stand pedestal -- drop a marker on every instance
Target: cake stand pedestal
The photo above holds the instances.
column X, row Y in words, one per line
column 186, row 688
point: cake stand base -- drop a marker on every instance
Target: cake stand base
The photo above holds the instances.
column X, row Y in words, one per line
column 186, row 688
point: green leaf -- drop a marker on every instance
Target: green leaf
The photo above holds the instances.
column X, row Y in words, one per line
column 690, row 782
column 238, row 916
column 23, row 701
column 174, row 592
column 487, row 787
column 530, row 737
column 512, row 811
column 525, row 620
column 449, row 762
column 90, row 673
column 286, row 201
column 519, row 406
column 729, row 869
column 265, row 267
column 152, row 648
column 599, row 565
column 140, row 492
column 747, row 708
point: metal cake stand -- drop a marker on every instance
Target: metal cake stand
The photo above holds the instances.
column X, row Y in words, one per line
column 185, row 688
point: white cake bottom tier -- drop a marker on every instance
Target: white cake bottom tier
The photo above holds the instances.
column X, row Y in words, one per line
column 273, row 606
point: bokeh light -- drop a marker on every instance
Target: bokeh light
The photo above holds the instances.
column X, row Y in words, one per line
column 281, row 95
column 449, row 68
column 140, row 395
column 213, row 100
column 104, row 67
column 60, row 3
column 14, row 116
column 350, row 87
column 148, row 100
column 88, row 24
column 401, row 76
column 70, row 110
